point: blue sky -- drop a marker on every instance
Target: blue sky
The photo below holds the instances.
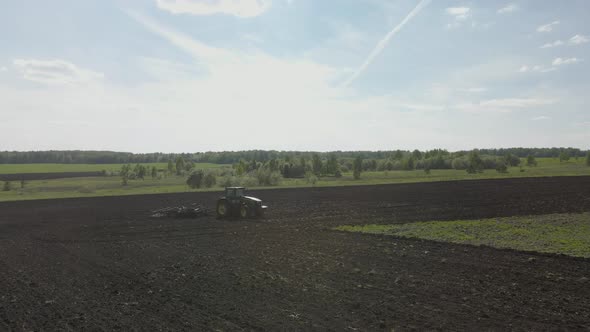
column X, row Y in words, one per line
column 200, row 75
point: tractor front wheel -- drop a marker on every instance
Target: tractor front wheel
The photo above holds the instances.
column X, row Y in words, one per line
column 222, row 209
column 244, row 211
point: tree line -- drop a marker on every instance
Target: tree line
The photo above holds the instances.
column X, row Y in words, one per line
column 231, row 157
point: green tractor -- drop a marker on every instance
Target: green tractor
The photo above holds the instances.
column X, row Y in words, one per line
column 235, row 203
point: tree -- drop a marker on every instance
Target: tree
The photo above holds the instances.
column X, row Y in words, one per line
column 564, row 156
column 273, row 165
column 531, row 161
column 417, row 154
column 195, row 179
column 140, row 171
column 303, row 164
column 179, row 165
column 408, row 164
column 511, row 160
column 154, row 172
column 588, row 158
column 189, row 165
column 332, row 165
column 125, row 170
column 240, row 167
column 357, row 167
column 316, row 164
column 475, row 163
column 22, row 183
column 170, row 167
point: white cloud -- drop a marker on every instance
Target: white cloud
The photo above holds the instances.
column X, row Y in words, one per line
column 553, row 44
column 459, row 13
column 541, row 118
column 516, row 102
column 473, row 90
column 547, row 27
column 238, row 8
column 565, row 61
column 536, row 69
column 578, row 39
column 186, row 43
column 54, row 71
column 3, row 68
column 575, row 40
column 512, row 7
column 504, row 105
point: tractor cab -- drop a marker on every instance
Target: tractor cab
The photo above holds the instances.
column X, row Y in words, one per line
column 235, row 192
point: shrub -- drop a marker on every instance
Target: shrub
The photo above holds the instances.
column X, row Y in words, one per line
column 311, row 178
column 459, row 163
column 512, row 160
column 564, row 156
column 491, row 162
column 266, row 177
column 229, row 181
column 210, row 179
column 531, row 161
column 7, row 186
column 248, row 180
column 195, row 179
column 502, row 168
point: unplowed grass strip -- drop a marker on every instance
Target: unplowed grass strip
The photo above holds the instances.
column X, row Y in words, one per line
column 567, row 234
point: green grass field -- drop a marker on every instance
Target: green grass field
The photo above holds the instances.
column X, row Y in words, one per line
column 60, row 168
column 111, row 185
column 567, row 234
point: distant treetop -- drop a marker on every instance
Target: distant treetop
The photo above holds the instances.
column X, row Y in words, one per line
column 231, row 157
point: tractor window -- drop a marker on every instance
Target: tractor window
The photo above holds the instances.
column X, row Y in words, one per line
column 240, row 192
column 229, row 192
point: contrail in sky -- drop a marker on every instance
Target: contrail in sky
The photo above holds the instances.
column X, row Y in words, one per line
column 383, row 42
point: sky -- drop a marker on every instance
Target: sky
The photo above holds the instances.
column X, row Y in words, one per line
column 214, row 75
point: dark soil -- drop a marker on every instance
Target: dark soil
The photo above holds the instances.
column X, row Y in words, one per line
column 103, row 264
column 47, row 176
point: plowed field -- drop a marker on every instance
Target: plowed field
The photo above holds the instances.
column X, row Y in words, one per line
column 103, row 264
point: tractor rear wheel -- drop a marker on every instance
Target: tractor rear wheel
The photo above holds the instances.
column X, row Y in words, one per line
column 244, row 211
column 222, row 209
